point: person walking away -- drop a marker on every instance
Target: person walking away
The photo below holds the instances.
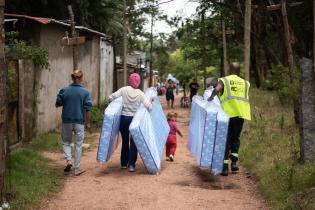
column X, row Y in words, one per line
column 177, row 88
column 193, row 86
column 171, row 142
column 170, row 86
column 184, row 87
column 132, row 97
column 234, row 96
column 76, row 105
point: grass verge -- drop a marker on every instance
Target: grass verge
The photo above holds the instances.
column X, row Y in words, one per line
column 270, row 150
column 30, row 177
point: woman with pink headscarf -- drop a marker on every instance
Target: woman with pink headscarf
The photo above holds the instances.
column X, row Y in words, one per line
column 132, row 98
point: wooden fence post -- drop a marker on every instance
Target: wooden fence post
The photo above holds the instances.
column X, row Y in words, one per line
column 307, row 122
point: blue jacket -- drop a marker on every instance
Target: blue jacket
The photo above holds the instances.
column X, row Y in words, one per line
column 75, row 101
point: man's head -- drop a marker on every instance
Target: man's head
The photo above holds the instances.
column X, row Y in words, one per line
column 77, row 76
column 235, row 68
column 214, row 82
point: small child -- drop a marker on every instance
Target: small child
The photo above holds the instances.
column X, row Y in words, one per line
column 171, row 139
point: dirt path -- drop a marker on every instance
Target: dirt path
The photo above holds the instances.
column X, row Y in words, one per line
column 181, row 185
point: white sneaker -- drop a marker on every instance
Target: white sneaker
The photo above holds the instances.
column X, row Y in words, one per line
column 132, row 169
column 171, row 158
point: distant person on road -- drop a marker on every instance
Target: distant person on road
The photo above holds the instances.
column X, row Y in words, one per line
column 234, row 94
column 132, row 97
column 184, row 86
column 177, row 88
column 76, row 105
column 170, row 86
column 171, row 142
column 193, row 86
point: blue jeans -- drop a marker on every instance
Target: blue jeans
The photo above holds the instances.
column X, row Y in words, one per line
column 128, row 156
column 66, row 135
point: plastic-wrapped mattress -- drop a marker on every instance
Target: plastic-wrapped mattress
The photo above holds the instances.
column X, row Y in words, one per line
column 149, row 131
column 109, row 138
column 208, row 134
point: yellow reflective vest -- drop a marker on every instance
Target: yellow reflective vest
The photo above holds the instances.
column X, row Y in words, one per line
column 235, row 99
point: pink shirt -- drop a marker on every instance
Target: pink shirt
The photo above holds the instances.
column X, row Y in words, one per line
column 173, row 128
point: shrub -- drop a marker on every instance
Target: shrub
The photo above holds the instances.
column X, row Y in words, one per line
column 278, row 80
column 97, row 113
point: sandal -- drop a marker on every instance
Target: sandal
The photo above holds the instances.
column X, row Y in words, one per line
column 67, row 168
column 78, row 172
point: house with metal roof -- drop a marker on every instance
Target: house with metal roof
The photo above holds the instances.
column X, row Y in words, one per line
column 37, row 87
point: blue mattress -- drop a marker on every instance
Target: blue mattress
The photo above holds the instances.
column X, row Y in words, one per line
column 109, row 138
column 208, row 134
column 149, row 131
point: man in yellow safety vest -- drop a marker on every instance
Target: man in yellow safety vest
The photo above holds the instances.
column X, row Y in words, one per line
column 234, row 96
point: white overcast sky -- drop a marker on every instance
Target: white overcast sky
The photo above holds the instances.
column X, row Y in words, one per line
column 183, row 7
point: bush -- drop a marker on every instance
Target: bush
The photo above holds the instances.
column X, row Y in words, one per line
column 16, row 48
column 96, row 116
column 278, row 80
column 97, row 113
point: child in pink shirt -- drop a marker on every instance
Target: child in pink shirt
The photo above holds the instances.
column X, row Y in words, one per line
column 171, row 139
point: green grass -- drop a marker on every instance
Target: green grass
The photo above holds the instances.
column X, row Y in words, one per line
column 48, row 142
column 30, row 178
column 270, row 150
column 51, row 142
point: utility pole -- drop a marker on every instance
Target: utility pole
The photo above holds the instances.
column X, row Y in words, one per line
column 151, row 40
column 151, row 50
column 125, row 44
column 314, row 37
column 204, row 39
column 247, row 30
column 287, row 37
column 3, row 102
column 73, row 35
column 225, row 62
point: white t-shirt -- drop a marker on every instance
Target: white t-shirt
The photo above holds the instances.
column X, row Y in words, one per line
column 132, row 99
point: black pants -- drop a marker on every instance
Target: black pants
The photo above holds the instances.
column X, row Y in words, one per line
column 233, row 140
column 128, row 156
column 192, row 94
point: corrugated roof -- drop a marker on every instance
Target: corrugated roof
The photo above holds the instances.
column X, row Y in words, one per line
column 38, row 19
column 51, row 20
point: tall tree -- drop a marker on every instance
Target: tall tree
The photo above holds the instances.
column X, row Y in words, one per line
column 247, row 32
column 3, row 102
column 287, row 38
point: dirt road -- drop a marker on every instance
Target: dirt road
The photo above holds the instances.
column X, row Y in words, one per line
column 181, row 185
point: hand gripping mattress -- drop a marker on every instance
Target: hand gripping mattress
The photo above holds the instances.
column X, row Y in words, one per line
column 149, row 131
column 208, row 134
column 110, row 130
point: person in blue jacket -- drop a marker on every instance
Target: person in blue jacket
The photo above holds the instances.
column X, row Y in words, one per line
column 76, row 105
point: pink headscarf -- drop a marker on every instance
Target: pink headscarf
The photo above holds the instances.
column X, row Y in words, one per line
column 134, row 80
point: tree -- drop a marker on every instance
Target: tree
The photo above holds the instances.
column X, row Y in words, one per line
column 3, row 103
column 247, row 32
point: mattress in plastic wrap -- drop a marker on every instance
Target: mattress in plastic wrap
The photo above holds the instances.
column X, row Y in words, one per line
column 109, row 138
column 208, row 134
column 149, row 131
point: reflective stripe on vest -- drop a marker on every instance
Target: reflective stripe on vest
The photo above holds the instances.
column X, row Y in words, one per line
column 234, row 154
column 230, row 97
